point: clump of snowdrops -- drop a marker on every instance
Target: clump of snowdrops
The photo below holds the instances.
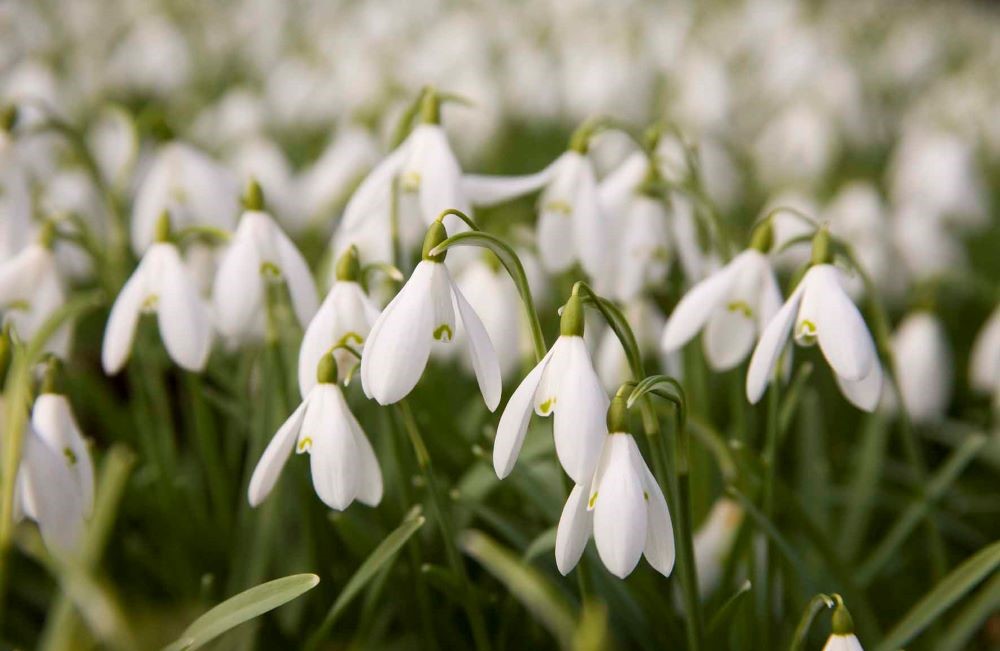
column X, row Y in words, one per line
column 584, row 406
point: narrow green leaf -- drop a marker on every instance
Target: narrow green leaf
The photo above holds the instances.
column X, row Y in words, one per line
column 952, row 588
column 972, row 617
column 813, row 608
column 242, row 608
column 539, row 597
column 384, row 554
column 854, row 524
column 915, row 513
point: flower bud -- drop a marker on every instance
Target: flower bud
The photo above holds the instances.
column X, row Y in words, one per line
column 348, row 265
column 436, row 234
column 572, row 321
column 326, row 370
column 253, row 197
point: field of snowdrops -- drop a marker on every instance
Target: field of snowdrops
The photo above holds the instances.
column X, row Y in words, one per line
column 494, row 325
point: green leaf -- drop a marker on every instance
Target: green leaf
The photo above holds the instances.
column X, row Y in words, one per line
column 538, row 595
column 243, row 607
column 971, row 618
column 813, row 608
column 384, row 554
column 952, row 588
column 721, row 618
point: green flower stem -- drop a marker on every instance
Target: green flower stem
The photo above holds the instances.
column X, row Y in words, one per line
column 471, row 603
column 513, row 265
column 813, row 608
column 767, row 500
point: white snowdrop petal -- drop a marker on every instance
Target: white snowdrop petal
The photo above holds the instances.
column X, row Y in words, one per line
column 728, row 338
column 373, row 193
column 485, row 191
column 332, row 447
column 400, row 342
column 370, row 480
column 769, row 346
column 843, row 336
column 119, row 332
column 695, row 308
column 619, row 510
column 659, row 549
column 301, row 286
column 56, row 502
column 589, row 229
column 581, row 408
column 842, row 643
column 552, row 377
column 984, row 359
column 575, row 525
column 553, row 228
column 442, row 301
column 319, row 337
column 440, row 174
column 182, row 315
column 266, row 473
column 484, row 357
column 52, row 419
column 238, row 290
column 866, row 392
column 514, row 420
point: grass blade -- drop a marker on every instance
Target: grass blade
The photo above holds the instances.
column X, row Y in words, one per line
column 952, row 588
column 242, row 608
column 539, row 596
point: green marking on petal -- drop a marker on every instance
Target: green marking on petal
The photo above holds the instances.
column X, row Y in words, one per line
column 20, row 304
column 740, row 306
column 410, row 181
column 546, row 406
column 645, row 496
column 70, row 456
column 150, row 303
column 443, row 332
column 305, row 444
column 270, row 270
column 805, row 333
column 348, row 337
column 561, row 207
column 592, row 500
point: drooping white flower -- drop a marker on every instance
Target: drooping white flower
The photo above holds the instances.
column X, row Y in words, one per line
column 625, row 510
column 843, row 643
column 423, row 311
column 713, row 542
column 342, row 461
column 564, row 384
column 857, row 215
column 984, row 360
column 259, row 252
column 820, row 311
column 733, row 305
column 163, row 285
column 642, row 254
column 114, row 141
column 190, row 186
column 923, row 366
column 429, row 181
column 55, row 484
column 31, row 290
column 346, row 159
column 346, row 316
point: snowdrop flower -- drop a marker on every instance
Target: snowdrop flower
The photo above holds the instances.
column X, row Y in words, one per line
column 984, row 360
column 342, row 461
column 642, row 255
column 820, row 311
column 842, row 638
column 564, row 384
column 429, row 182
column 31, row 290
column 423, row 311
column 55, row 482
column 923, row 366
column 160, row 285
column 713, row 542
column 258, row 252
column 571, row 225
column 345, row 317
column 345, row 160
column 733, row 305
column 493, row 296
column 191, row 187
column 622, row 505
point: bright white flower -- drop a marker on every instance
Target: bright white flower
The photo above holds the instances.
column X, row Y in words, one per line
column 429, row 182
column 55, row 484
column 820, row 311
column 346, row 159
column 264, row 161
column 984, row 360
column 30, row 291
column 259, row 251
column 566, row 385
column 923, row 366
column 624, row 508
column 642, row 256
column 161, row 284
column 115, row 143
column 713, row 542
column 346, row 316
column 733, row 305
column 423, row 311
column 842, row 643
column 193, row 188
column 342, row 461
column 493, row 296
